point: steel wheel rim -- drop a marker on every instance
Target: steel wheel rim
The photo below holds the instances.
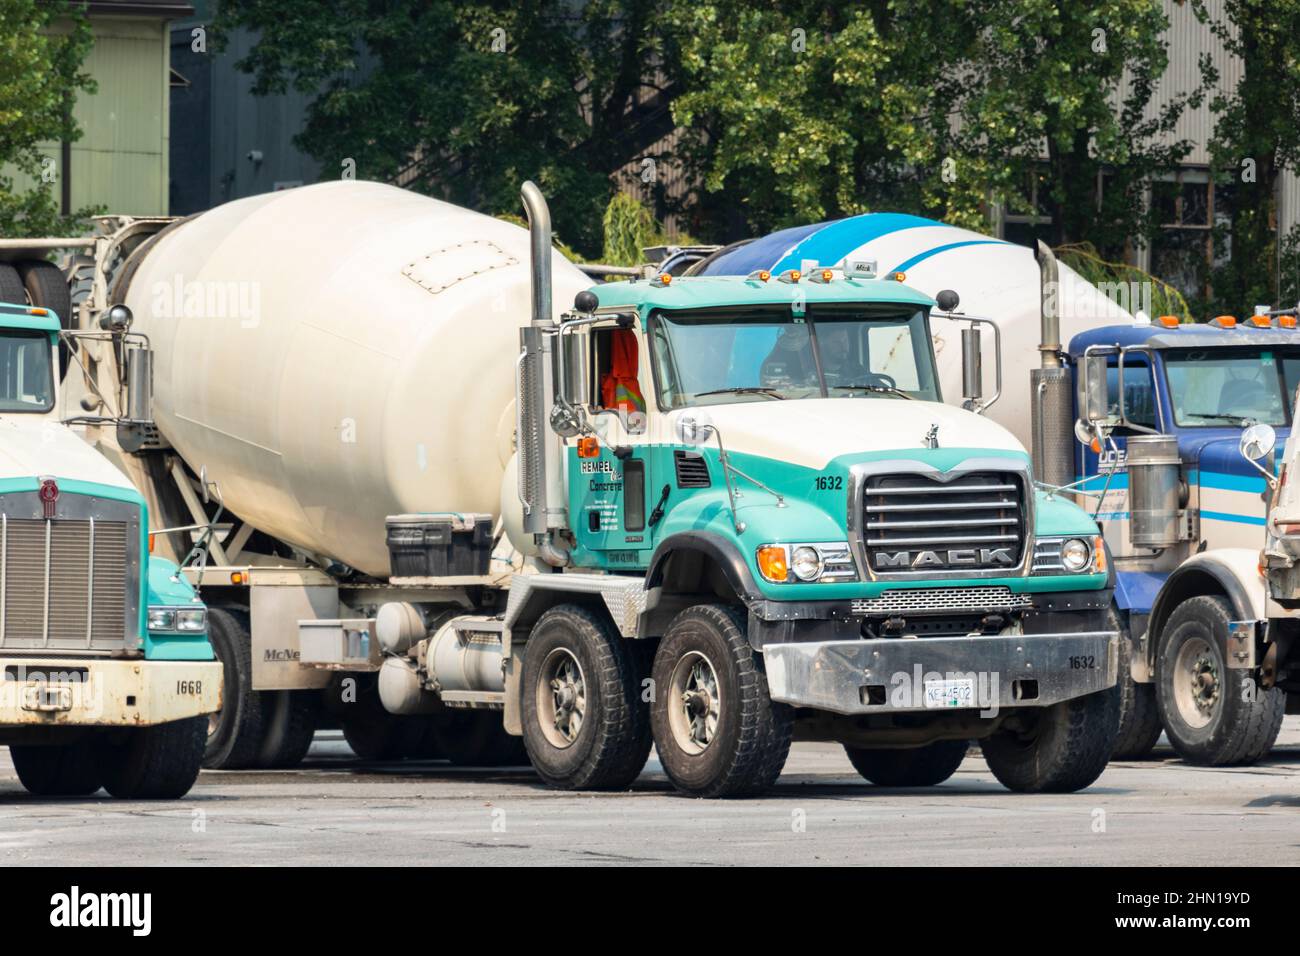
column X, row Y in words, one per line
column 1197, row 683
column 561, row 698
column 694, row 703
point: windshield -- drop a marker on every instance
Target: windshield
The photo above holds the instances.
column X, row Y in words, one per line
column 1226, row 387
column 26, row 377
column 766, row 354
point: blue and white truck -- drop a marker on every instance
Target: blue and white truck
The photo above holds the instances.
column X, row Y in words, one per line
column 1143, row 420
column 108, row 676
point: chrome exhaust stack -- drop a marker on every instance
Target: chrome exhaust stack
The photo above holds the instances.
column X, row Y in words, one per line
column 1049, row 399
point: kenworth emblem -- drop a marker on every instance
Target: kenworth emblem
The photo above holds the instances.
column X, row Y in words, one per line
column 49, row 495
column 952, row 558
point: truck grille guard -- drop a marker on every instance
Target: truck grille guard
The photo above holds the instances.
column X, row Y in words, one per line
column 908, row 520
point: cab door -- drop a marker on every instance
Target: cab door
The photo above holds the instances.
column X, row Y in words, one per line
column 611, row 490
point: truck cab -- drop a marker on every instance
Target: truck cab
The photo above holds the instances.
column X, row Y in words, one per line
column 756, row 481
column 107, row 670
column 1161, row 410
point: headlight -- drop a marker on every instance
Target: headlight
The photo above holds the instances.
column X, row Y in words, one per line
column 191, row 619
column 806, row 563
column 826, row 561
column 162, row 619
column 1076, row 554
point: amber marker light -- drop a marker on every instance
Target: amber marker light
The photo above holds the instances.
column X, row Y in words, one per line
column 772, row 563
column 589, row 447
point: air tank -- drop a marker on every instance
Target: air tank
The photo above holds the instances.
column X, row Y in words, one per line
column 337, row 353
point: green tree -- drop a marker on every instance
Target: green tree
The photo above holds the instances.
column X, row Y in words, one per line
column 465, row 100
column 937, row 108
column 818, row 110
column 1256, row 139
column 42, row 47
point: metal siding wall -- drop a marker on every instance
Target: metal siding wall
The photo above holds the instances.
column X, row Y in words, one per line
column 120, row 161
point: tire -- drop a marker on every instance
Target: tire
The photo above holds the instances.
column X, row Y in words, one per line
column 912, row 767
column 1139, row 714
column 154, row 763
column 477, row 738
column 289, row 717
column 235, row 733
column 706, row 654
column 12, row 291
column 67, row 770
column 1060, row 749
column 47, row 288
column 1219, row 725
column 599, row 683
column 375, row 735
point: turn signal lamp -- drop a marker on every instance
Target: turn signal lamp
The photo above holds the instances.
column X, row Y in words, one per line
column 589, row 447
column 773, row 564
column 236, row 577
column 1170, row 321
column 1098, row 554
column 1224, row 321
column 151, row 537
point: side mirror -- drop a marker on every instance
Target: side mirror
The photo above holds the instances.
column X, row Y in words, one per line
column 116, row 319
column 1096, row 403
column 577, row 367
column 1257, row 442
column 972, row 373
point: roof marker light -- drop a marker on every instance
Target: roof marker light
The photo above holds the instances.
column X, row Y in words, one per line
column 663, row 279
column 38, row 311
column 1170, row 321
column 821, row 275
column 758, row 275
column 790, row 275
column 1261, row 321
column 1286, row 321
column 1224, row 321
column 898, row 276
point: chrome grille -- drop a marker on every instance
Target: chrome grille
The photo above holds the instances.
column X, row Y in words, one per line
column 903, row 600
column 68, row 583
column 913, row 523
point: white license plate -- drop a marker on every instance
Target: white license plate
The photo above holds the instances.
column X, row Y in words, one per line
column 950, row 693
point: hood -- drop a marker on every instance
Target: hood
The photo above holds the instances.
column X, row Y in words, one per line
column 37, row 447
column 811, row 432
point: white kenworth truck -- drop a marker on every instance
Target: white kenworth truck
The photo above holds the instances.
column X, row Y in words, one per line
column 737, row 508
column 106, row 673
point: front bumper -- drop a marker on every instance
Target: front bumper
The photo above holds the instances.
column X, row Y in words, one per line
column 56, row 692
column 889, row 675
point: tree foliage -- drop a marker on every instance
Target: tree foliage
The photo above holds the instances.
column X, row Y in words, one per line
column 42, row 47
column 464, row 100
column 1256, row 139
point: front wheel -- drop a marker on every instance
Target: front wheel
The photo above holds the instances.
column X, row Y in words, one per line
column 66, row 770
column 717, row 731
column 154, row 763
column 1213, row 716
column 1056, row 749
column 910, row 767
column 585, row 725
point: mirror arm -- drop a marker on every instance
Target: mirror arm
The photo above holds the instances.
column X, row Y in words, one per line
column 979, row 407
column 1270, row 478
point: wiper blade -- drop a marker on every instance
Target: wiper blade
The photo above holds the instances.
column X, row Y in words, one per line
column 888, row 390
column 743, row 390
